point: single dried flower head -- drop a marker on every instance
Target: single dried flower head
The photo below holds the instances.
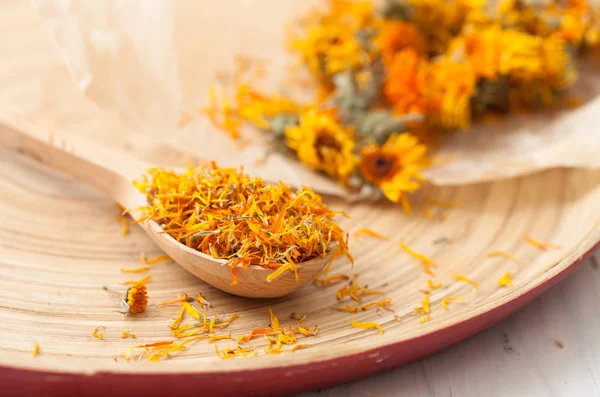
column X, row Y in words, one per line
column 329, row 44
column 398, row 35
column 405, row 84
column 483, row 49
column 451, row 86
column 137, row 297
column 328, row 49
column 323, row 144
column 438, row 20
column 394, row 167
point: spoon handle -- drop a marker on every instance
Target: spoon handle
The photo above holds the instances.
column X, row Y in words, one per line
column 109, row 170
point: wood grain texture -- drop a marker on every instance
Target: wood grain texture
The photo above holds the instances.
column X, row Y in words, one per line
column 550, row 348
column 59, row 245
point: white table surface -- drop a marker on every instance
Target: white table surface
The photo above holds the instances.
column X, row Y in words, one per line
column 549, row 348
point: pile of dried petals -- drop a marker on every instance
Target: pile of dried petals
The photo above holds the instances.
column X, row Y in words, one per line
column 230, row 215
column 391, row 79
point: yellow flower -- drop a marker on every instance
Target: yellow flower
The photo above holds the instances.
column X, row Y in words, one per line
column 521, row 56
column 451, row 86
column 329, row 49
column 439, row 20
column 532, row 59
column 358, row 14
column 482, row 49
column 572, row 28
column 323, row 144
column 405, row 85
column 137, row 297
column 328, row 43
column 395, row 166
column 397, row 35
column 559, row 72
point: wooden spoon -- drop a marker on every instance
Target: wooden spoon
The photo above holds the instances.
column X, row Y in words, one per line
column 113, row 172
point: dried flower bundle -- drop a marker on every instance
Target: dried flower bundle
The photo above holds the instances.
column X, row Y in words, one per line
column 389, row 80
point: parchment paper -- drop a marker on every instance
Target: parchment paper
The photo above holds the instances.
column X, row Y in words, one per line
column 151, row 61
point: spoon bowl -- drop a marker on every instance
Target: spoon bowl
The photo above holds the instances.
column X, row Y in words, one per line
column 251, row 280
column 112, row 172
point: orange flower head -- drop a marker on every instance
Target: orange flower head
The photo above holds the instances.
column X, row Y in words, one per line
column 323, row 144
column 381, row 164
column 404, row 85
column 397, row 35
column 395, row 166
column 137, row 297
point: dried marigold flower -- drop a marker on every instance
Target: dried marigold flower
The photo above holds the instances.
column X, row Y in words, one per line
column 323, row 144
column 137, row 298
column 395, row 166
column 447, row 62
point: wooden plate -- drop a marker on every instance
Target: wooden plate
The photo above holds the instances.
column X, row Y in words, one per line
column 59, row 244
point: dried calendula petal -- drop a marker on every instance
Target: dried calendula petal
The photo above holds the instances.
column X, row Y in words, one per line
column 143, row 269
column 424, row 306
column 175, row 324
column 182, row 298
column 230, row 215
column 96, row 333
column 123, row 221
column 238, row 351
column 539, row 244
column 36, row 348
column 424, row 260
column 459, row 277
column 449, row 299
column 504, row 254
column 432, row 285
column 369, row 232
column 505, row 280
column 356, row 308
column 202, row 301
column 127, row 334
column 142, row 281
column 256, row 332
column 218, row 337
column 355, row 291
column 366, row 325
column 331, row 279
column 154, row 260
